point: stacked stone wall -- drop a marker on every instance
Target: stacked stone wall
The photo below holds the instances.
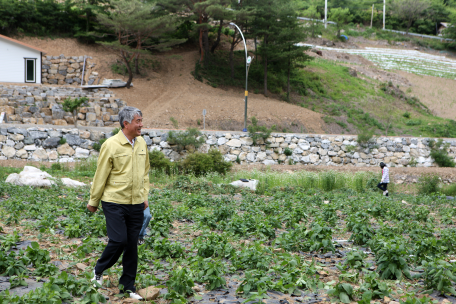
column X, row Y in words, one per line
column 44, row 144
column 43, row 105
column 67, row 70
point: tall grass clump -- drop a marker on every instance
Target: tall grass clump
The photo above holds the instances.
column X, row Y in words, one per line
column 428, row 184
column 86, row 165
column 449, row 190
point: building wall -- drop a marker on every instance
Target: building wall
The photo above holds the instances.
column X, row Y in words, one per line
column 12, row 62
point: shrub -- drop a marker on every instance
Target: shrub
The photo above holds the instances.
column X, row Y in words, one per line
column 406, row 114
column 364, row 136
column 428, row 184
column 440, row 154
column 191, row 137
column 288, row 152
column 201, row 163
column 257, row 132
column 115, row 131
column 97, row 146
column 413, row 122
column 56, row 167
column 174, row 121
column 160, row 163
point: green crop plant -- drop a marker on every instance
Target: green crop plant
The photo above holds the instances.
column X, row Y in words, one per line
column 343, row 292
column 439, row 275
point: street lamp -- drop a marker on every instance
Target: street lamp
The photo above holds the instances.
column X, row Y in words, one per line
column 248, row 61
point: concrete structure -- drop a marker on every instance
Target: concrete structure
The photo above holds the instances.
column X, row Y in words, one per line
column 19, row 62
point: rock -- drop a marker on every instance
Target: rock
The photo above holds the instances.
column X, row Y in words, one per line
column 269, row 162
column 96, row 135
column 65, row 149
column 51, row 142
column 221, row 141
column 39, row 155
column 91, row 117
column 72, row 183
column 8, row 151
column 278, row 250
column 17, row 137
column 234, row 143
column 60, row 122
column 30, row 147
column 30, row 176
column 149, row 293
column 252, row 184
column 352, row 72
column 81, row 266
column 82, row 153
column 386, row 300
column 22, row 154
column 72, row 140
column 53, row 155
column 247, row 141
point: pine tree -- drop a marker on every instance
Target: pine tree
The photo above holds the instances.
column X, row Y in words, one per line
column 138, row 27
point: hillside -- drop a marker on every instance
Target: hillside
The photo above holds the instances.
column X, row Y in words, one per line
column 334, row 101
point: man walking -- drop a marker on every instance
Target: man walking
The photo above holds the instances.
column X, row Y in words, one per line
column 121, row 183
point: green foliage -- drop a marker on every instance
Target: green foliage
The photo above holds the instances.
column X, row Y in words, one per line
column 164, row 249
column 192, row 138
column 372, row 287
column 174, row 122
column 202, row 163
column 211, row 272
column 97, row 146
column 62, row 141
column 288, row 151
column 180, row 281
column 428, row 184
column 257, row 132
column 439, row 275
column 71, row 105
column 439, row 152
column 391, row 258
column 365, row 136
column 160, row 163
column 36, row 255
column 414, row 122
column 343, row 292
column 356, row 260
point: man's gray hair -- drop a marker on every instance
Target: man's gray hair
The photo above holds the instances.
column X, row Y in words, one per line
column 127, row 114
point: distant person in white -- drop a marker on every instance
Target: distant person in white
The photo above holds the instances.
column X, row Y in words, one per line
column 383, row 185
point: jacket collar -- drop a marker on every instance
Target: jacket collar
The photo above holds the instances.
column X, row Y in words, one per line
column 121, row 137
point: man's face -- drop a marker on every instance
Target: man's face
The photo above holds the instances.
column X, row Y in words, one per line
column 134, row 128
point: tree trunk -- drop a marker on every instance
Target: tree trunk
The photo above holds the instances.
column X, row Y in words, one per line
column 233, row 43
column 409, row 25
column 265, row 63
column 130, row 72
column 206, row 45
column 137, row 64
column 201, row 42
column 219, row 33
column 288, row 80
column 75, row 117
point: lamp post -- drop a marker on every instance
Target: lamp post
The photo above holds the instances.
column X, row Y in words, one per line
column 248, row 60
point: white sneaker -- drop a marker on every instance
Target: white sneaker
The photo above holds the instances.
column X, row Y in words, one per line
column 136, row 296
column 98, row 278
column 385, row 192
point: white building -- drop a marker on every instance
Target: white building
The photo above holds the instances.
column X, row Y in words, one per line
column 19, row 62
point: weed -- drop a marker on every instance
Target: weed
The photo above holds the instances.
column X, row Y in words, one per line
column 62, row 141
column 174, row 122
column 190, row 139
column 428, row 184
column 257, row 132
column 439, row 152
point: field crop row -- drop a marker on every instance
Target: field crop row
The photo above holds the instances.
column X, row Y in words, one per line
column 318, row 240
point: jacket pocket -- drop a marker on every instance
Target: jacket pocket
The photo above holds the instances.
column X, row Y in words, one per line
column 119, row 160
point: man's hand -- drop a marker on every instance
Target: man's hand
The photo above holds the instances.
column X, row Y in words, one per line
column 92, row 208
column 146, row 204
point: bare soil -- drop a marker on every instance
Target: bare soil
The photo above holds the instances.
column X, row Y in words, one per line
column 171, row 91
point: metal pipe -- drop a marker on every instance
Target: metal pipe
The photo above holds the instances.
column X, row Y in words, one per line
column 326, row 13
column 83, row 69
column 246, row 78
column 384, row 12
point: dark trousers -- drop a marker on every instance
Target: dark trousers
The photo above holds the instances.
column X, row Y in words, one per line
column 382, row 186
column 123, row 223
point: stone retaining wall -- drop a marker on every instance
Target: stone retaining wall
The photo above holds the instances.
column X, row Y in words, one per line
column 67, row 70
column 43, row 105
column 43, row 144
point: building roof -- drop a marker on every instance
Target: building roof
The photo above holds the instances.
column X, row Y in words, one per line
column 23, row 44
column 445, row 24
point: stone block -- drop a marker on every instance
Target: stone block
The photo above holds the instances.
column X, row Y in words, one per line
column 39, row 155
column 9, row 152
column 51, row 142
column 91, row 117
column 59, row 122
column 96, row 135
column 65, row 149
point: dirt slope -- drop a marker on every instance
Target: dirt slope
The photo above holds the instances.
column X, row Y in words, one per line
column 171, row 91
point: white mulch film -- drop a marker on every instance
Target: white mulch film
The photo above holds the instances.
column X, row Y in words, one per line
column 405, row 60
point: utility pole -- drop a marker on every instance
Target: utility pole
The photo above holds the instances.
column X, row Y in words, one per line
column 384, row 12
column 326, row 13
column 372, row 17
